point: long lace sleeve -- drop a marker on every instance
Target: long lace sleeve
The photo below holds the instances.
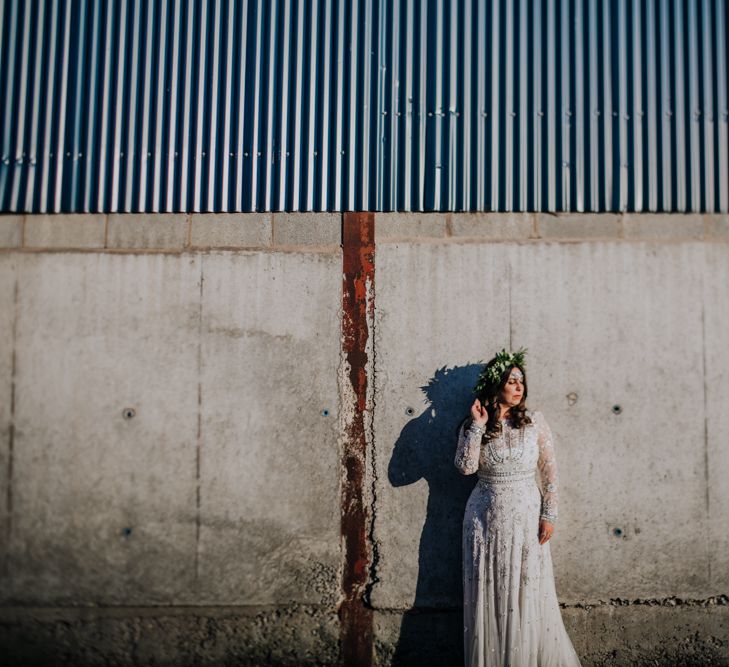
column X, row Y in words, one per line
column 547, row 464
column 469, row 448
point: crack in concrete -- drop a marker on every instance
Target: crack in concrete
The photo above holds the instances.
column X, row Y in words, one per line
column 706, row 435
column 511, row 320
column 714, row 600
column 372, row 577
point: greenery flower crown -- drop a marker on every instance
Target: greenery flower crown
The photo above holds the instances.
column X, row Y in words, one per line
column 490, row 376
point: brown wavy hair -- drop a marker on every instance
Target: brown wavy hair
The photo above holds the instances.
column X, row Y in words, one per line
column 489, row 398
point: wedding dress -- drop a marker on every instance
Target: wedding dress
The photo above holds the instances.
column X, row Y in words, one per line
column 510, row 609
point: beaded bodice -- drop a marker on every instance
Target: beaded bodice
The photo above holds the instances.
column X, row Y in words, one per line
column 511, row 451
column 514, row 455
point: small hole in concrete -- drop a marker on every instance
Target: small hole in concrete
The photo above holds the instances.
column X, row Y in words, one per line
column 618, row 532
column 128, row 413
column 126, row 532
column 325, row 412
column 617, row 409
column 409, row 411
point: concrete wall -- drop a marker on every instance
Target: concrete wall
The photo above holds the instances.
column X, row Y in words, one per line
column 170, row 414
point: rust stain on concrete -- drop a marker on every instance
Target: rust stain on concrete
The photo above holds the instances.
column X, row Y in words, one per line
column 356, row 617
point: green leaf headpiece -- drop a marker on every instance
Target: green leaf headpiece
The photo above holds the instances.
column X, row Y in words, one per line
column 490, row 376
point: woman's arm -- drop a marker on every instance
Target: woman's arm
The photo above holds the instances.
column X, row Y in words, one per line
column 547, row 465
column 469, row 448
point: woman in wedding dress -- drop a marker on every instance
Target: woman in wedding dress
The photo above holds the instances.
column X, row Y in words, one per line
column 510, row 609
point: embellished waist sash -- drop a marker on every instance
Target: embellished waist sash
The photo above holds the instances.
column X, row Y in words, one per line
column 506, row 477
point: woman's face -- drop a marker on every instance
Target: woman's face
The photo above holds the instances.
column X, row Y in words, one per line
column 513, row 391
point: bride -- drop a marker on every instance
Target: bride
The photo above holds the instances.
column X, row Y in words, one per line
column 510, row 609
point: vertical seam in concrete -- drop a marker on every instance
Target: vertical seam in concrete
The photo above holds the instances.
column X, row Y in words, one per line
column 11, row 433
column 199, row 425
column 706, row 438
column 355, row 615
column 511, row 328
column 22, row 231
column 106, row 230
column 188, row 221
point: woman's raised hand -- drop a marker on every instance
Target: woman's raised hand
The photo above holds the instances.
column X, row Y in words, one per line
column 479, row 414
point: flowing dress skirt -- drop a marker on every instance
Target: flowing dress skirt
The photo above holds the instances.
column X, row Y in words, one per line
column 511, row 613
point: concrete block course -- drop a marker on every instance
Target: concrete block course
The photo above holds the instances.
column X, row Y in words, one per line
column 493, row 226
column 142, row 230
column 578, row 225
column 237, row 230
column 411, row 224
column 11, row 231
column 718, row 226
column 663, row 226
column 65, row 231
column 324, row 229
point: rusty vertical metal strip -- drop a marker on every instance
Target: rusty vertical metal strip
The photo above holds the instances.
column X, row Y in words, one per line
column 356, row 618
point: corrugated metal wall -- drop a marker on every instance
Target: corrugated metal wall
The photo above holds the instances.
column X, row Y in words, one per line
column 168, row 105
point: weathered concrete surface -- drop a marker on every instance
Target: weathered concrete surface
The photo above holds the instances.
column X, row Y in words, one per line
column 578, row 225
column 103, row 507
column 606, row 324
column 230, row 230
column 625, row 330
column 609, row 635
column 657, row 225
column 137, row 230
column 8, row 274
column 222, row 491
column 216, row 636
column 394, row 225
column 269, row 460
column 67, row 231
column 715, row 319
column 509, row 226
column 208, row 494
column 11, row 227
column 425, row 325
column 321, row 229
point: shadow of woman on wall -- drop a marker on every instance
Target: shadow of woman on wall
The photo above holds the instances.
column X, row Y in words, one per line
column 431, row 632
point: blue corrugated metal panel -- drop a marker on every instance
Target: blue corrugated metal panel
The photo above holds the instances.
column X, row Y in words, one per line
column 243, row 105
